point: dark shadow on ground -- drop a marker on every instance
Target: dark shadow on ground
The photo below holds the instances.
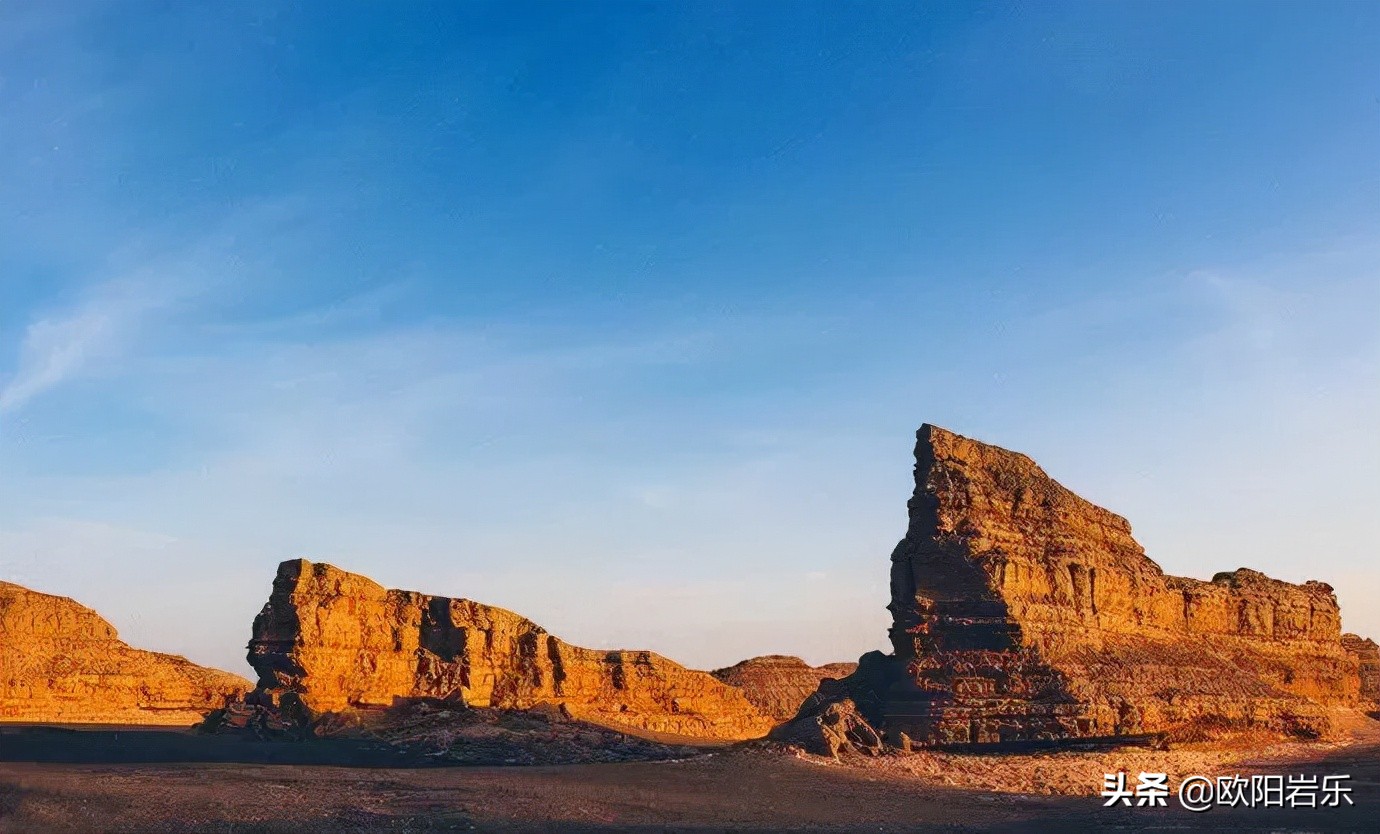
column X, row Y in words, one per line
column 145, row 745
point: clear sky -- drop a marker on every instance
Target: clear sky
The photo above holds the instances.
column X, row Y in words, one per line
column 624, row 316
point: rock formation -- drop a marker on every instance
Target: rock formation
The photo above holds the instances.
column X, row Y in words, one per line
column 831, row 728
column 778, row 684
column 1023, row 612
column 61, row 663
column 1367, row 656
column 329, row 641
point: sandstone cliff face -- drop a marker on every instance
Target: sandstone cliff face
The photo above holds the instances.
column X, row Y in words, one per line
column 1022, row 611
column 1367, row 656
column 61, row 663
column 338, row 641
column 778, row 684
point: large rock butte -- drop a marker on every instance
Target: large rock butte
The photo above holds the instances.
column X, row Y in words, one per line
column 331, row 641
column 61, row 663
column 778, row 684
column 1021, row 611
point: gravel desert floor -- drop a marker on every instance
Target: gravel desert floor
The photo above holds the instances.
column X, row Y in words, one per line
column 741, row 789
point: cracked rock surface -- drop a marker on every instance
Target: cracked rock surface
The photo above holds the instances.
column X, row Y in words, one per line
column 60, row 662
column 331, row 641
column 778, row 684
column 1023, row 612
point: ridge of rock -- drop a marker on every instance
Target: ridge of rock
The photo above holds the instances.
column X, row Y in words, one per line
column 61, row 662
column 778, row 684
column 334, row 641
column 1367, row 656
column 1021, row 611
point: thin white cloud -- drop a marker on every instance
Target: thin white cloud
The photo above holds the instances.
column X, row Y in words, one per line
column 59, row 347
column 112, row 313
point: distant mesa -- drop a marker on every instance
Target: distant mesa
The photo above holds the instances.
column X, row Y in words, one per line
column 329, row 642
column 1023, row 613
column 778, row 684
column 1367, row 656
column 61, row 663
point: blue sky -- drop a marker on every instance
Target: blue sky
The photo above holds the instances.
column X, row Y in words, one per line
column 623, row 316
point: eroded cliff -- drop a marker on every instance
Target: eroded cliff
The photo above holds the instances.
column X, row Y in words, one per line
column 1367, row 656
column 336, row 641
column 778, row 684
column 1022, row 611
column 60, row 662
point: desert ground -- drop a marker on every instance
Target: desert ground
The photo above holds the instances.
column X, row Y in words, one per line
column 122, row 780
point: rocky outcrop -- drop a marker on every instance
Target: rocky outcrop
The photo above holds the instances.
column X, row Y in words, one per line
column 1021, row 611
column 832, row 727
column 1367, row 657
column 329, row 641
column 61, row 663
column 778, row 684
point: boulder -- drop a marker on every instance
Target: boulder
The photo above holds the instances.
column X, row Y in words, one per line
column 831, row 727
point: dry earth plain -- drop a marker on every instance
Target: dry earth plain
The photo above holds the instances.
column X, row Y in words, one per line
column 752, row 787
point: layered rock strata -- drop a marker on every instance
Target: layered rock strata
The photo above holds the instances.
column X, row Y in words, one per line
column 1024, row 612
column 329, row 641
column 837, row 727
column 60, row 662
column 778, row 684
column 1367, row 656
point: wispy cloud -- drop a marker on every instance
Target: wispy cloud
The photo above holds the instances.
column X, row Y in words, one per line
column 61, row 346
column 135, row 288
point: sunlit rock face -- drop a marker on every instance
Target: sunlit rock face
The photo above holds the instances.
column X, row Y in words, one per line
column 1022, row 611
column 60, row 662
column 337, row 642
column 1367, row 655
column 778, row 684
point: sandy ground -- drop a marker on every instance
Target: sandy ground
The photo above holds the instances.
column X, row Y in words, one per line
column 1080, row 774
column 739, row 790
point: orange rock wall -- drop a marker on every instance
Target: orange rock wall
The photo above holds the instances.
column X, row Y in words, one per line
column 779, row 684
column 1367, row 656
column 341, row 641
column 1059, row 560
column 61, row 663
column 1001, row 558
